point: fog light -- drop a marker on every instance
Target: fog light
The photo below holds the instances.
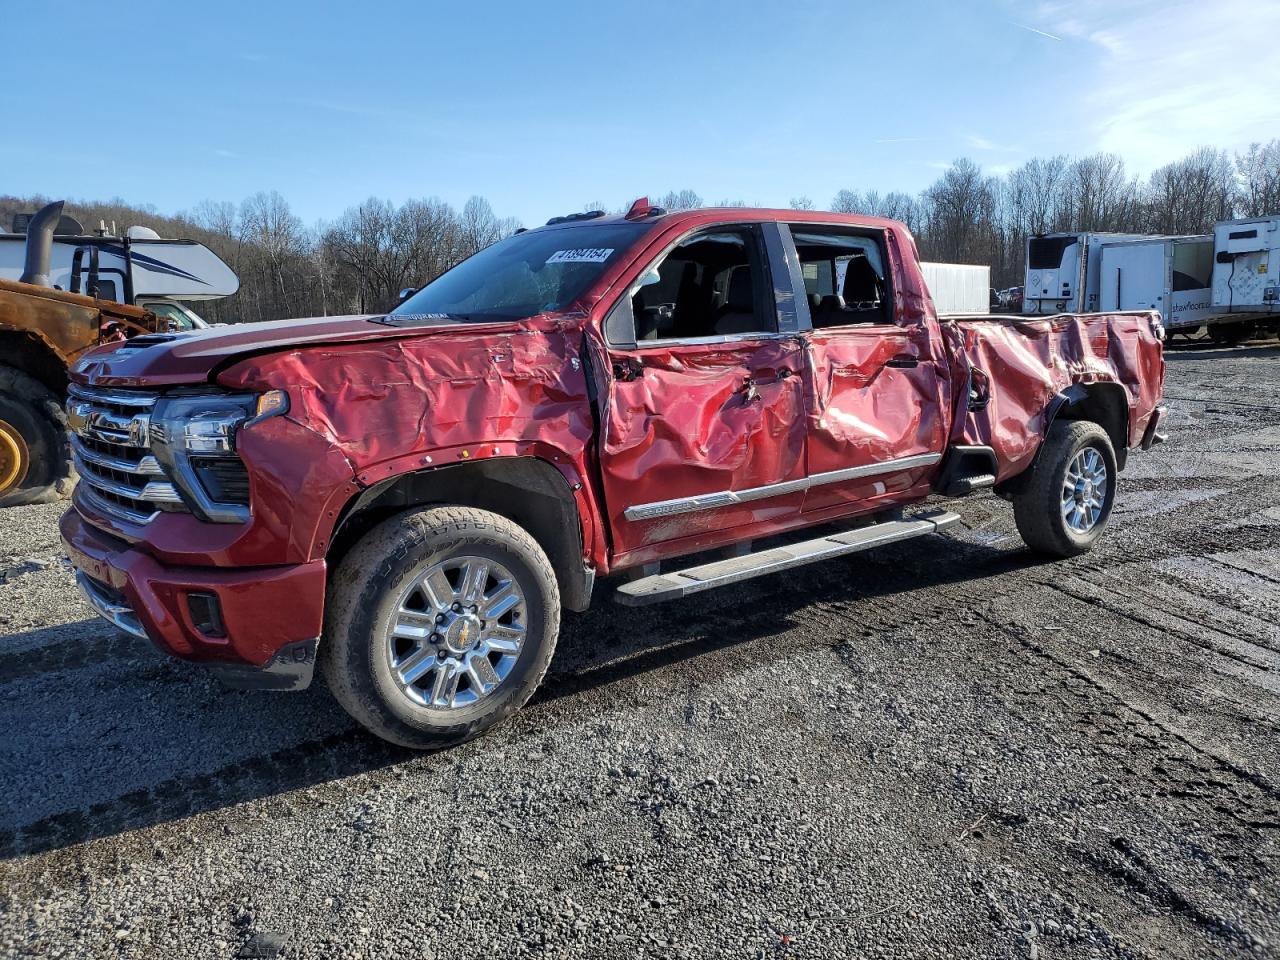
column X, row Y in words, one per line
column 206, row 614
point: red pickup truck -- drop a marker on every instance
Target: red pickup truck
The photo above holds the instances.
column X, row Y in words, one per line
column 672, row 400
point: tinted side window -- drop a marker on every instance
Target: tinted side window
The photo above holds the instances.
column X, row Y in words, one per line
column 712, row 284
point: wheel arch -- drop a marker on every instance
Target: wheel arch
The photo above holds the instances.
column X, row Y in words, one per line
column 1103, row 402
column 527, row 490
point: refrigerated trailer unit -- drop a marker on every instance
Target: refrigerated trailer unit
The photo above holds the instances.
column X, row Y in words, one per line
column 1062, row 271
column 1169, row 274
column 958, row 287
column 1246, row 269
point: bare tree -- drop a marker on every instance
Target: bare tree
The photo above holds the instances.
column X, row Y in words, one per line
column 1099, row 195
column 1259, row 173
column 1191, row 194
column 681, row 200
column 959, row 216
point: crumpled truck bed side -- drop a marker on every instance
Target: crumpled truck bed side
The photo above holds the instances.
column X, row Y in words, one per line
column 1026, row 363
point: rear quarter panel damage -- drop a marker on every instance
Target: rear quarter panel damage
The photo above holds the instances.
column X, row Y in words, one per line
column 1029, row 362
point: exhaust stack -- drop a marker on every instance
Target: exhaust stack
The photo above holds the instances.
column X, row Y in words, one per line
column 40, row 244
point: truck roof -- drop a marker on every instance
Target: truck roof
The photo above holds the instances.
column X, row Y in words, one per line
column 737, row 214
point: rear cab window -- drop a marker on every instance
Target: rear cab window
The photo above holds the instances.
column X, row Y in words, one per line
column 845, row 275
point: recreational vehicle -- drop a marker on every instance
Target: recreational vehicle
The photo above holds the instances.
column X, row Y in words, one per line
column 139, row 268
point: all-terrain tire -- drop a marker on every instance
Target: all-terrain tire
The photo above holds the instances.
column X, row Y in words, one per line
column 363, row 596
column 36, row 427
column 1038, row 505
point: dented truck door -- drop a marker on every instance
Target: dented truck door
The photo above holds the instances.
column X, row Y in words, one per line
column 703, row 426
column 877, row 375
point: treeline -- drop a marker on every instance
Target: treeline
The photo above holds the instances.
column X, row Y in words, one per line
column 359, row 262
column 967, row 216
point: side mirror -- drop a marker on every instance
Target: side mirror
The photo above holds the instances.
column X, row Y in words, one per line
column 406, row 293
column 650, row 278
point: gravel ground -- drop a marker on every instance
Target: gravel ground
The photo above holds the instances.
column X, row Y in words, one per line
column 940, row 749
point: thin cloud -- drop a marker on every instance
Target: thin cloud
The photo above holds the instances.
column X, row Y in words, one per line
column 1023, row 26
column 902, row 140
column 1153, row 123
column 982, row 143
column 230, row 154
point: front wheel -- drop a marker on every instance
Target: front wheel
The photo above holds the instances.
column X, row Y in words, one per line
column 1064, row 506
column 440, row 624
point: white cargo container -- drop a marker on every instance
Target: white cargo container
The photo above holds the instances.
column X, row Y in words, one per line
column 1169, row 274
column 958, row 287
column 1246, row 269
column 1062, row 271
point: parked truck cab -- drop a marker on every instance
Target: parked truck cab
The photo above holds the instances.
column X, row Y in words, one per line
column 670, row 402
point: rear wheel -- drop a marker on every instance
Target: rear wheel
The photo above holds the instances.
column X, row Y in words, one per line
column 1065, row 504
column 440, row 624
column 35, row 455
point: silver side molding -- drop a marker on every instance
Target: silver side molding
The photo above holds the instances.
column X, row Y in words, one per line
column 725, row 498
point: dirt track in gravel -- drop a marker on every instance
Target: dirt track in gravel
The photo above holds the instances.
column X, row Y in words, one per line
column 941, row 748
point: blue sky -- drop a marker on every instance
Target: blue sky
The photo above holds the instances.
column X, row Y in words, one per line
column 544, row 107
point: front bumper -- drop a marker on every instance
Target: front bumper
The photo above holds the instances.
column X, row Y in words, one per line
column 269, row 618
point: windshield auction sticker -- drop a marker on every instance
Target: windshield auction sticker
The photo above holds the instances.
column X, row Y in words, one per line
column 585, row 255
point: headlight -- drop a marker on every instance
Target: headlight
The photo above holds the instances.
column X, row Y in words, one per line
column 194, row 438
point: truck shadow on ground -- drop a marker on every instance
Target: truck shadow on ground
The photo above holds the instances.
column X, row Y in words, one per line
column 106, row 735
column 1197, row 350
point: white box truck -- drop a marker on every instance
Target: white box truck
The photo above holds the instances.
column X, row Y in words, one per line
column 1169, row 274
column 958, row 287
column 1062, row 271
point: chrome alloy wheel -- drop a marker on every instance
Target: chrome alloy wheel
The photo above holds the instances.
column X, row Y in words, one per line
column 457, row 632
column 1084, row 490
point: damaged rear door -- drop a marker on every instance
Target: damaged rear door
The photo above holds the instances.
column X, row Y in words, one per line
column 876, row 379
column 703, row 430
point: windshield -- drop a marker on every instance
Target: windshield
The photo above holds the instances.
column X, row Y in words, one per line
column 539, row 271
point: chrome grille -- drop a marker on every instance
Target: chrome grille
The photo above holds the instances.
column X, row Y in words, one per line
column 111, row 444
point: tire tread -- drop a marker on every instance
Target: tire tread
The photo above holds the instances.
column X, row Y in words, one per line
column 345, row 665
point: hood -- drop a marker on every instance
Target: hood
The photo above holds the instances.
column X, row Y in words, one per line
column 184, row 358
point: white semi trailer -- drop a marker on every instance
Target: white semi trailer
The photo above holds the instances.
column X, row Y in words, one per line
column 1169, row 274
column 958, row 287
column 1062, row 271
column 1246, row 274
